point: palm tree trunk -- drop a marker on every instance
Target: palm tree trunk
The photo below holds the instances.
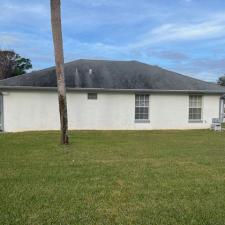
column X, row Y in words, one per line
column 59, row 61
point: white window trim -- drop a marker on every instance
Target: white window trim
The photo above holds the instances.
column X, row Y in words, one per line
column 196, row 120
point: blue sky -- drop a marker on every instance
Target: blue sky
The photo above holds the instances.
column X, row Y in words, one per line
column 187, row 36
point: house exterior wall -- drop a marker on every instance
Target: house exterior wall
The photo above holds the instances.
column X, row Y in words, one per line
column 38, row 110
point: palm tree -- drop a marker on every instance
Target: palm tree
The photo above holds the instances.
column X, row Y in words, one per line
column 59, row 61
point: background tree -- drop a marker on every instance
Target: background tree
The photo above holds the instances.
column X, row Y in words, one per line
column 12, row 64
column 221, row 80
column 59, row 61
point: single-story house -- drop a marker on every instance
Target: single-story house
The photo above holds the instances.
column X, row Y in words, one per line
column 110, row 95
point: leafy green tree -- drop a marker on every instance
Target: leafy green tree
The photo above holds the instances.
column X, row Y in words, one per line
column 12, row 64
column 221, row 80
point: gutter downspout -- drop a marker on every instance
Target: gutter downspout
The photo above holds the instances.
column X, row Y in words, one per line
column 1, row 113
column 221, row 112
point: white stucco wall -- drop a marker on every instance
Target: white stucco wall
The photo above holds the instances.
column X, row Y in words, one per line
column 35, row 110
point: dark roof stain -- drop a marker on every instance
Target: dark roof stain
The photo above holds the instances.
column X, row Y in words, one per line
column 105, row 74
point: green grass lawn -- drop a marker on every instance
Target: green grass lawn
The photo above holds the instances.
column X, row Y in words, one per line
column 135, row 177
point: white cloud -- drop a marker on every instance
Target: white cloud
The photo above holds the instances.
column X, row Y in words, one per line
column 94, row 3
column 26, row 13
column 7, row 40
column 20, row 8
column 92, row 14
column 212, row 28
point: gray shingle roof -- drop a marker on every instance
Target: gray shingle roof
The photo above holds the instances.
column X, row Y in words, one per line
column 113, row 75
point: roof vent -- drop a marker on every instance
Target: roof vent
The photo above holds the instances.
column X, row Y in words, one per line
column 90, row 71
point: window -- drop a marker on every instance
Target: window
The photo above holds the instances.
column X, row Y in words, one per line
column 141, row 107
column 195, row 108
column 92, row 96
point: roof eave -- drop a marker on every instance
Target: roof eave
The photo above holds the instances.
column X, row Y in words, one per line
column 8, row 88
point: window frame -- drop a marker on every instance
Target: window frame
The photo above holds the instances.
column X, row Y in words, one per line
column 142, row 104
column 198, row 120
